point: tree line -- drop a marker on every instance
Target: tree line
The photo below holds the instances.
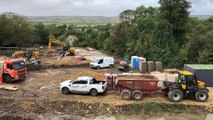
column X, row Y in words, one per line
column 166, row 34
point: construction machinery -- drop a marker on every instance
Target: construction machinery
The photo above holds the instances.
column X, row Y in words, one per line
column 134, row 86
column 25, row 53
column 66, row 48
column 54, row 41
column 186, row 86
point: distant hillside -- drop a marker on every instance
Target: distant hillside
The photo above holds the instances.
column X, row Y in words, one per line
column 85, row 20
column 74, row 20
column 202, row 17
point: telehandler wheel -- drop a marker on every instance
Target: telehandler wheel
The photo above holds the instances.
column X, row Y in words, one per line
column 126, row 94
column 93, row 92
column 65, row 90
column 137, row 95
column 7, row 79
column 202, row 95
column 175, row 95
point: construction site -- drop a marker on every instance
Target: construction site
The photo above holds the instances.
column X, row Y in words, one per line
column 39, row 97
column 106, row 60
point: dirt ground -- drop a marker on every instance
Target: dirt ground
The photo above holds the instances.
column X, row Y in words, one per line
column 41, row 88
column 45, row 85
column 40, row 94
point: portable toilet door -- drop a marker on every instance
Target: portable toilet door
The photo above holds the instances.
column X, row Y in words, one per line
column 135, row 62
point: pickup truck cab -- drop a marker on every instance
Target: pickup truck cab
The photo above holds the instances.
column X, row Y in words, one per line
column 102, row 62
column 83, row 85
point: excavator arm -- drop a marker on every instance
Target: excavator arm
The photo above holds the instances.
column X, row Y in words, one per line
column 56, row 42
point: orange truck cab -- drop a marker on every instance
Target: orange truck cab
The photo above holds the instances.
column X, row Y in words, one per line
column 12, row 70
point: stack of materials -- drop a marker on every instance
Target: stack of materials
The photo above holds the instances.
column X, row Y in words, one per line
column 143, row 66
column 159, row 66
column 151, row 66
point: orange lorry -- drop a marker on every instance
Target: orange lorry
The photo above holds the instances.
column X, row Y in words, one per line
column 12, row 70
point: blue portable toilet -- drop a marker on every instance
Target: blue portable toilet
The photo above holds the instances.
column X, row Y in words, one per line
column 135, row 62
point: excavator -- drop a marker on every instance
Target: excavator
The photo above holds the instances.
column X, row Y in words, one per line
column 67, row 51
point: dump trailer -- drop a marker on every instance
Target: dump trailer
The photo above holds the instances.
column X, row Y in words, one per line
column 135, row 89
column 136, row 85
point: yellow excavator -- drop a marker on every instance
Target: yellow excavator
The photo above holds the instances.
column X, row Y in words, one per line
column 66, row 48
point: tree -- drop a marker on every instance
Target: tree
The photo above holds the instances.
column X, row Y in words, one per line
column 127, row 16
column 118, row 38
column 42, row 33
column 177, row 14
column 15, row 30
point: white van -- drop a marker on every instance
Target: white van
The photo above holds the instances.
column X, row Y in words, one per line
column 102, row 62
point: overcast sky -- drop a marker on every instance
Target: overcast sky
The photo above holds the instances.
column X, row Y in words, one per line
column 89, row 7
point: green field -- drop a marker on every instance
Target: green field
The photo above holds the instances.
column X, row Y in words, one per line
column 75, row 20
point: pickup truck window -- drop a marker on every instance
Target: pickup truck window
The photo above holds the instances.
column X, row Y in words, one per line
column 76, row 82
column 83, row 82
column 80, row 82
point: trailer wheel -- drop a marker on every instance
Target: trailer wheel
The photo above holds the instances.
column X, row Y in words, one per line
column 137, row 95
column 202, row 95
column 7, row 79
column 175, row 95
column 65, row 90
column 126, row 94
column 93, row 92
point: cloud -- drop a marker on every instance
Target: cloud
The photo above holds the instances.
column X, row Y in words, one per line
column 89, row 7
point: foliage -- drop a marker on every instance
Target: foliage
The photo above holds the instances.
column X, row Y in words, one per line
column 166, row 34
column 15, row 30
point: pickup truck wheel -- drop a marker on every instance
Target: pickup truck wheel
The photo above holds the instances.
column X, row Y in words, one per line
column 7, row 79
column 93, row 92
column 65, row 90
column 126, row 94
column 202, row 95
column 137, row 95
column 175, row 95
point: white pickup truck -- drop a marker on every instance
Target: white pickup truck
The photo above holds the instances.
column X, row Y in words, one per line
column 83, row 85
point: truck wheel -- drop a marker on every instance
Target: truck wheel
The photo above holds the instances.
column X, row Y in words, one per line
column 65, row 90
column 126, row 94
column 137, row 95
column 93, row 92
column 202, row 95
column 110, row 66
column 175, row 95
column 7, row 79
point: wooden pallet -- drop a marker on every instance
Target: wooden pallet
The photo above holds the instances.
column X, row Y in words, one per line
column 8, row 87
